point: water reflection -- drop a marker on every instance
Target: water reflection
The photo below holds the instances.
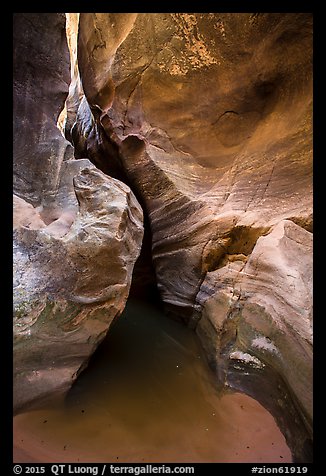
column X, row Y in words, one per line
column 148, row 396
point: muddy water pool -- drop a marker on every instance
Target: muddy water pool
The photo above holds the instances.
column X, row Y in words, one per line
column 148, row 395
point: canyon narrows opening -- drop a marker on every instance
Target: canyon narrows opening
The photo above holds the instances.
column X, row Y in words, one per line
column 162, row 237
column 149, row 396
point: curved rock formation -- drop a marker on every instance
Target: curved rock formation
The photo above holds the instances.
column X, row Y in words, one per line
column 257, row 317
column 210, row 116
column 77, row 232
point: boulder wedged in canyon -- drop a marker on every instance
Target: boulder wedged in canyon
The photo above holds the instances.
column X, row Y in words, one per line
column 72, row 278
column 210, row 116
column 77, row 232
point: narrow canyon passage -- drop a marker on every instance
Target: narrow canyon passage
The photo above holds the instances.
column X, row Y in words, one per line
column 166, row 155
column 149, row 396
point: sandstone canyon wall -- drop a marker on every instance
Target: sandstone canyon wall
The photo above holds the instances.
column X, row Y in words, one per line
column 210, row 118
column 77, row 232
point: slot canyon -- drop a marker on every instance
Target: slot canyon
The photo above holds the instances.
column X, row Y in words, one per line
column 162, row 242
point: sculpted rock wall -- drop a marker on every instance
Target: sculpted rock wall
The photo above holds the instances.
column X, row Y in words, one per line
column 227, row 126
column 257, row 316
column 67, row 117
column 210, row 116
column 77, row 232
column 41, row 79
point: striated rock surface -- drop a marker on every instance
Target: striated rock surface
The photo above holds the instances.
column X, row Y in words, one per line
column 210, row 116
column 257, row 319
column 214, row 136
column 77, row 232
